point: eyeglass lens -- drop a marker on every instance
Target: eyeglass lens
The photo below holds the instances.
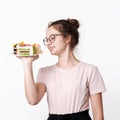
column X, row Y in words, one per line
column 51, row 39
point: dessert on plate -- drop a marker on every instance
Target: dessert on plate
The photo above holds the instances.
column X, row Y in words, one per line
column 23, row 49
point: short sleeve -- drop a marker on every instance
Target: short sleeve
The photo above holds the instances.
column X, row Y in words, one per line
column 96, row 83
column 40, row 76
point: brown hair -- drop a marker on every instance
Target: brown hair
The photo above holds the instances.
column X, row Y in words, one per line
column 67, row 27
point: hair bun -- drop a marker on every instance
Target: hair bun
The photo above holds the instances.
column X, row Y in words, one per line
column 74, row 22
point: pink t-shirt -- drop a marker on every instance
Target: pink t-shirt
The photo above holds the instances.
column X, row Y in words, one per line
column 68, row 90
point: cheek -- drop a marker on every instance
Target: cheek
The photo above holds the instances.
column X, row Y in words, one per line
column 60, row 42
column 60, row 45
column 60, row 48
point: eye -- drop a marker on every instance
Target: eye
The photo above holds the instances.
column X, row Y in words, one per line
column 52, row 38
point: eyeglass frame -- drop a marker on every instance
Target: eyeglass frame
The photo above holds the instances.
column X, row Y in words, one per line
column 45, row 40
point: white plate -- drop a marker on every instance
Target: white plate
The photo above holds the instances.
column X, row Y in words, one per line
column 26, row 55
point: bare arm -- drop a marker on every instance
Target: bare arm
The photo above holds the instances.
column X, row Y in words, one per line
column 33, row 91
column 97, row 106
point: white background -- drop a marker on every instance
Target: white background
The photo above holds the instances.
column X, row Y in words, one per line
column 26, row 20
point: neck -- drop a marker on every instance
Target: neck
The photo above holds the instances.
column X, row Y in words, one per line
column 67, row 60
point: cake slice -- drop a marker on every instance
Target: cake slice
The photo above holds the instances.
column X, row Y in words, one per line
column 23, row 49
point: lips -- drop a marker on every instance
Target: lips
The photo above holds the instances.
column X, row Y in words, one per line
column 51, row 48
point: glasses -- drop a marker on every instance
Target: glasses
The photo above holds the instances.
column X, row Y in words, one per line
column 51, row 39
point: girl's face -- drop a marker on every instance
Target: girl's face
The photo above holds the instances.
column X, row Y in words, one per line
column 55, row 41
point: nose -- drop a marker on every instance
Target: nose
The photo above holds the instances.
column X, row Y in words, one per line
column 48, row 42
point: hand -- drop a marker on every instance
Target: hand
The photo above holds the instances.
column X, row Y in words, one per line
column 26, row 59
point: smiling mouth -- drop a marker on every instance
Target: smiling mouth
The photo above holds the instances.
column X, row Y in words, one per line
column 51, row 48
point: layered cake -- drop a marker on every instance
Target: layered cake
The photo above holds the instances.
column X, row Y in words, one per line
column 23, row 49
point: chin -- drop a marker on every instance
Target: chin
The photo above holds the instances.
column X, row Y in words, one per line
column 53, row 53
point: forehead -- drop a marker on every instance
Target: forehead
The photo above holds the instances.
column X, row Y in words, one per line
column 51, row 30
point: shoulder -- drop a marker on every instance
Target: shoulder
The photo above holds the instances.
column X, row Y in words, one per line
column 87, row 66
column 47, row 68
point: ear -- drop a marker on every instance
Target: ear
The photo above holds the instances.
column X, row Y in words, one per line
column 68, row 39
